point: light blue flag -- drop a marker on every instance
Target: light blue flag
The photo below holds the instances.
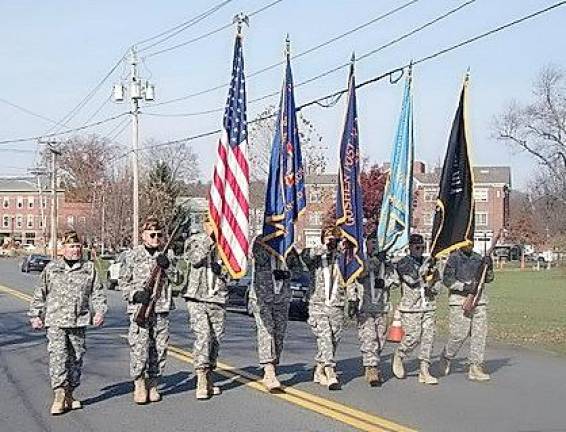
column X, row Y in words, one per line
column 395, row 216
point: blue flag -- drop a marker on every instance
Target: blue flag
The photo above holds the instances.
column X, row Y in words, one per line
column 395, row 216
column 285, row 195
column 349, row 199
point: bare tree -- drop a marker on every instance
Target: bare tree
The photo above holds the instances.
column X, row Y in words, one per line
column 539, row 129
column 261, row 132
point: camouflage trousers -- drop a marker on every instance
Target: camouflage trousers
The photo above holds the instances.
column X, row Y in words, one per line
column 271, row 321
column 207, row 322
column 461, row 327
column 326, row 323
column 66, row 347
column 148, row 346
column 419, row 327
column 372, row 329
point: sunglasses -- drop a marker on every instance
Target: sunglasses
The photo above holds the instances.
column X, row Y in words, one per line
column 155, row 234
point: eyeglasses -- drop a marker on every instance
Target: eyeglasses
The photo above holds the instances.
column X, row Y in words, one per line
column 155, row 234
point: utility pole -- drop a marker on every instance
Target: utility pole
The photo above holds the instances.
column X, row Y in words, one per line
column 41, row 171
column 137, row 89
column 54, row 206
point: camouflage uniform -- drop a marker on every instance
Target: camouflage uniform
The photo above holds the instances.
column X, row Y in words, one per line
column 460, row 270
column 63, row 302
column 270, row 300
column 148, row 343
column 326, row 303
column 206, row 297
column 372, row 311
column 417, row 307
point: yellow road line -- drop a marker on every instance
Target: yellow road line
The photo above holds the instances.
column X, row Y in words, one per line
column 337, row 411
column 15, row 293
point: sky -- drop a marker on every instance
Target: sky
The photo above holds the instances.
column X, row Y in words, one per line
column 54, row 53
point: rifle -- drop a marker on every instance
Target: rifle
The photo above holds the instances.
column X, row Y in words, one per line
column 155, row 281
column 473, row 298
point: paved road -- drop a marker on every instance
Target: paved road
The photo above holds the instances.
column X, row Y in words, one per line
column 527, row 392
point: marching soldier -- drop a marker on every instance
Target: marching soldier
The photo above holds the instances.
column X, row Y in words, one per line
column 148, row 340
column 63, row 302
column 270, row 297
column 206, row 297
column 326, row 306
column 418, row 310
column 370, row 303
column 459, row 276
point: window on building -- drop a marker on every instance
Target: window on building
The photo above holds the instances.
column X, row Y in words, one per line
column 41, row 222
column 31, row 202
column 428, row 218
column 30, row 221
column 315, row 195
column 481, row 218
column 70, row 221
column 6, row 202
column 315, row 218
column 430, row 194
column 481, row 194
column 44, row 202
column 20, row 202
column 6, row 221
column 19, row 221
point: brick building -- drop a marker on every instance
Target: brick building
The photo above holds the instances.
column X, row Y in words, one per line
column 492, row 185
column 25, row 215
column 491, row 194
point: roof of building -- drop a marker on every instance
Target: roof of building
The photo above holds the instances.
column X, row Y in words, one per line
column 327, row 179
column 20, row 184
column 482, row 175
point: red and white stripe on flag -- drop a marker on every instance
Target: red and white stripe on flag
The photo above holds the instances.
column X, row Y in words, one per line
column 229, row 204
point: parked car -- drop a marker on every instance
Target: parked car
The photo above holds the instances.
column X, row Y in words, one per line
column 35, row 263
column 238, row 294
column 300, row 290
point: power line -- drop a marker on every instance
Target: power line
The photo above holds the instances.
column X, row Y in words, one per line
column 336, row 68
column 210, row 33
column 298, row 55
column 393, row 74
column 27, row 111
column 168, row 34
column 83, row 127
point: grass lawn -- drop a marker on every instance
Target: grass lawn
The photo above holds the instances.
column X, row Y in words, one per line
column 526, row 308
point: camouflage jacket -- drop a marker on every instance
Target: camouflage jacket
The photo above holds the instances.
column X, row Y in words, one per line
column 67, row 296
column 326, row 289
column 462, row 269
column 202, row 283
column 414, row 297
column 264, row 286
column 134, row 274
column 372, row 299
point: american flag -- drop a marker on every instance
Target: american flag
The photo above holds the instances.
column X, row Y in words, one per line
column 228, row 202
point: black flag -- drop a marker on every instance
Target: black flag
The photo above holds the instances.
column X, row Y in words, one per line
column 453, row 226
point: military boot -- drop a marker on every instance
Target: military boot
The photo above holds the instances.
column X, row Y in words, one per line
column 270, row 380
column 70, row 401
column 140, row 391
column 398, row 367
column 424, row 374
column 202, row 385
column 319, row 375
column 58, row 406
column 331, row 378
column 477, row 373
column 212, row 389
column 444, row 365
column 153, row 393
column 372, row 376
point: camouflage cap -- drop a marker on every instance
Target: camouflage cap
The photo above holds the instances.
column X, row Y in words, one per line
column 416, row 239
column 151, row 224
column 70, row 237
